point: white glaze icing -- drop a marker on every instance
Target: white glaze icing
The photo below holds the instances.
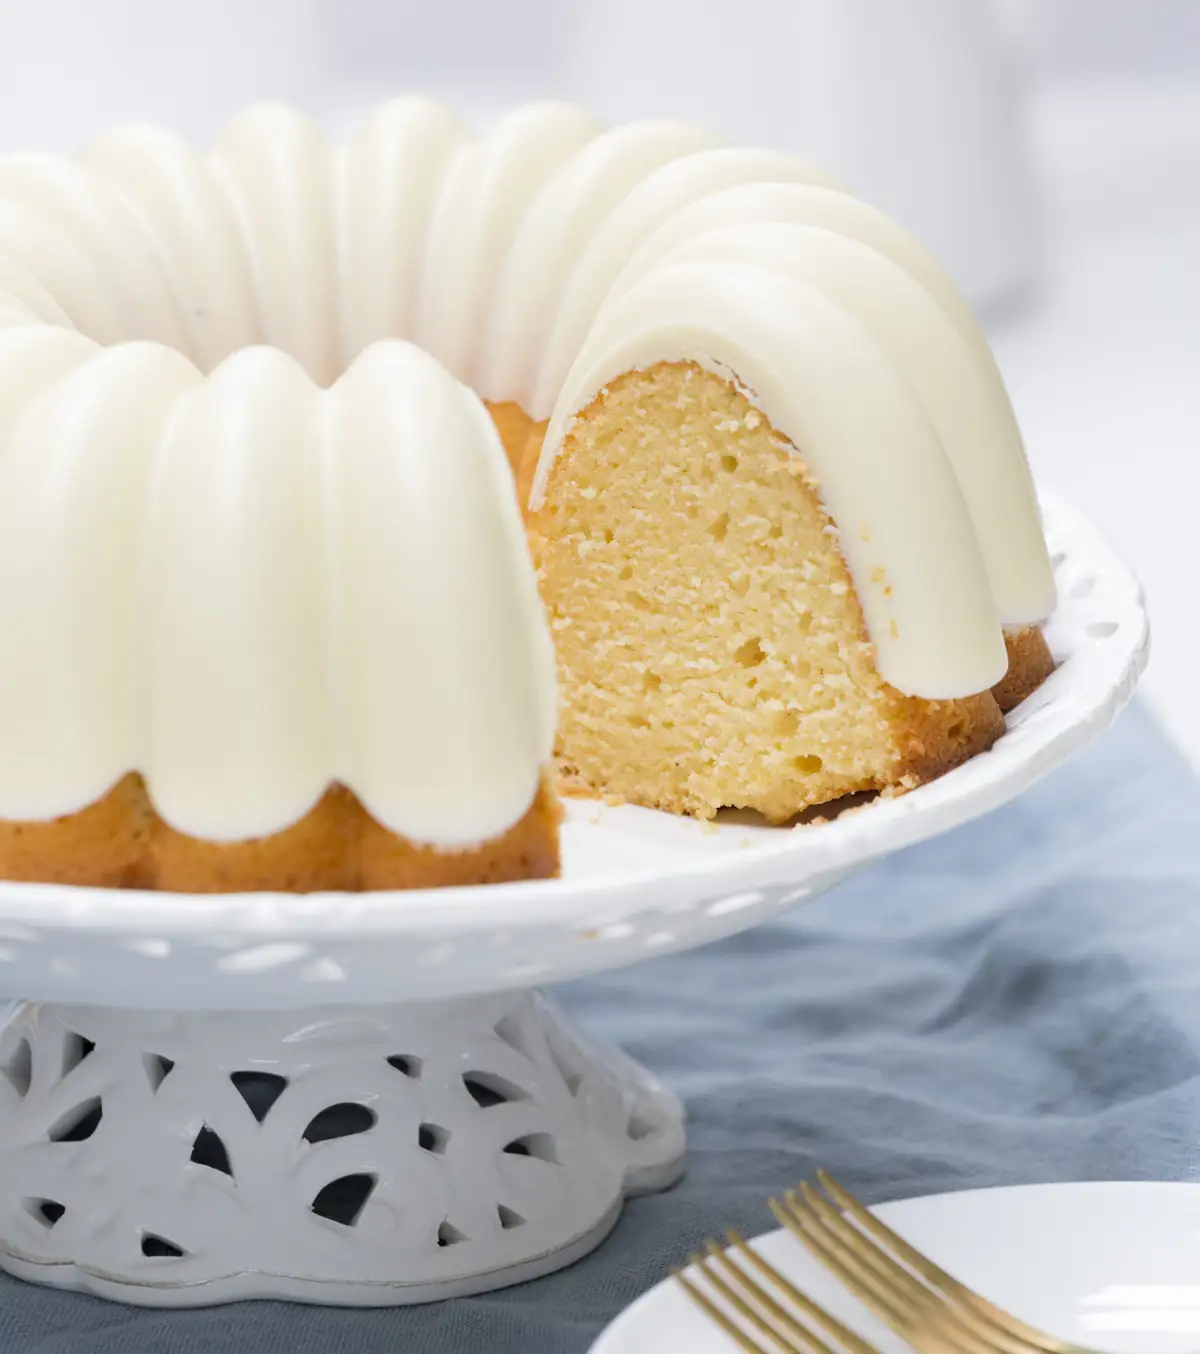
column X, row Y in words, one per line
column 389, row 181
column 217, row 548
column 560, row 222
column 483, row 202
column 122, row 253
column 826, row 383
column 77, row 454
column 655, row 200
column 36, row 243
column 1005, row 536
column 821, row 207
column 274, row 166
column 969, row 412
column 25, row 297
column 448, row 710
column 217, row 589
column 180, row 202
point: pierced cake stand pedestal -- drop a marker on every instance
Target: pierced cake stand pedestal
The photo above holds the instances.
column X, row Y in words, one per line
column 365, row 1155
column 363, row 1099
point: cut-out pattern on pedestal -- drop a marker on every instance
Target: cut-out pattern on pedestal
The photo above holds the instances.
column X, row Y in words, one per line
column 78, row 1123
column 260, row 1090
column 539, row 1145
column 208, row 1150
column 19, row 1068
column 342, row 1200
column 340, row 1121
column 512, row 1033
column 46, row 1211
column 488, row 1088
column 433, row 1138
column 156, row 1247
column 157, row 1068
column 75, row 1049
column 303, row 1144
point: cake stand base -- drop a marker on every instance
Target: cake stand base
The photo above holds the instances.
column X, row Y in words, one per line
column 357, row 1155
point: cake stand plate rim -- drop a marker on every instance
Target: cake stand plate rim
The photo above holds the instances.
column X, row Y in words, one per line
column 710, row 883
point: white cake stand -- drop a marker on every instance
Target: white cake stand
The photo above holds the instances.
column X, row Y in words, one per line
column 363, row 1099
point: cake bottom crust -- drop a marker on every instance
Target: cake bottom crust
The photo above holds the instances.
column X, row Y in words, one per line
column 1029, row 664
column 121, row 842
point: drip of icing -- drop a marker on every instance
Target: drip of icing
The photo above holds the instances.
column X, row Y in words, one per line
column 73, row 480
column 235, row 738
column 458, row 688
column 970, row 417
column 828, row 386
column 812, row 205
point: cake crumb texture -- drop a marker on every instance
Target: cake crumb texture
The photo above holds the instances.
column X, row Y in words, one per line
column 712, row 651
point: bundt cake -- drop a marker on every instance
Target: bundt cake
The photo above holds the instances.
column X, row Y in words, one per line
column 268, row 616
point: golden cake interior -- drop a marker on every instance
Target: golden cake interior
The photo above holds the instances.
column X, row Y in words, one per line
column 712, row 651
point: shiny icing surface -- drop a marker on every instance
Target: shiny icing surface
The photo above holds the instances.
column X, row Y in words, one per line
column 714, row 283
column 238, row 419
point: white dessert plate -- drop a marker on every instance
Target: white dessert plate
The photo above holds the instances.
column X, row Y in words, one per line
column 635, row 882
column 1111, row 1266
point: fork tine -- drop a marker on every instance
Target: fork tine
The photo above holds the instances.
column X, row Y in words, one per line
column 742, row 1307
column 868, row 1222
column 901, row 1309
column 843, row 1335
column 715, row 1314
column 792, row 1214
column 957, row 1325
column 900, row 1284
column 799, row 1332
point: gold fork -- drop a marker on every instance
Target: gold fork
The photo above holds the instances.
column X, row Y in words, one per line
column 928, row 1308
column 749, row 1313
